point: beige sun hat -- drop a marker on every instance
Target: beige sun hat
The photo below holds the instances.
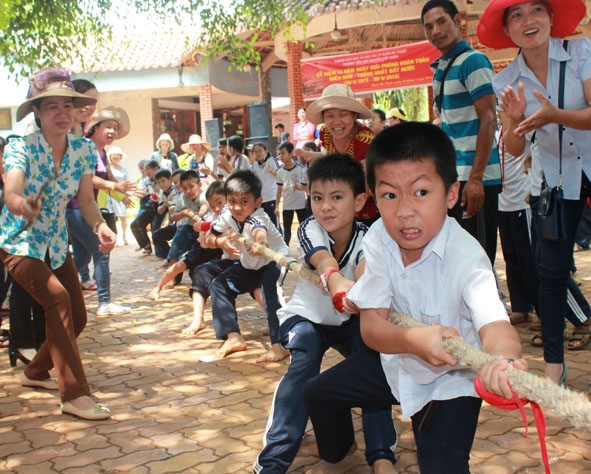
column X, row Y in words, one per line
column 110, row 113
column 396, row 113
column 195, row 140
column 165, row 137
column 336, row 96
column 51, row 82
column 115, row 150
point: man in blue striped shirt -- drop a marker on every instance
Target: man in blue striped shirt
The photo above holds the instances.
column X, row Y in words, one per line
column 465, row 99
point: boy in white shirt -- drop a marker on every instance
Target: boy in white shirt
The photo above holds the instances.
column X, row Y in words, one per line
column 421, row 263
column 330, row 241
column 243, row 216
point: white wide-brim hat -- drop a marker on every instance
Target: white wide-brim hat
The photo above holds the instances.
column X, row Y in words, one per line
column 115, row 150
column 110, row 113
column 195, row 140
column 336, row 96
column 165, row 137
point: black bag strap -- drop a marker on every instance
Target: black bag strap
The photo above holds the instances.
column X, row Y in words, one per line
column 445, row 72
column 561, row 106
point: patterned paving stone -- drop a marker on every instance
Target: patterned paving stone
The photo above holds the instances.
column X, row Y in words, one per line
column 174, row 413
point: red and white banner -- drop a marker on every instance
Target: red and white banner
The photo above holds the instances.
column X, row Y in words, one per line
column 371, row 71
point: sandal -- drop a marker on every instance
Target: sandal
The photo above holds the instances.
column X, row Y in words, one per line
column 537, row 341
column 519, row 317
column 580, row 338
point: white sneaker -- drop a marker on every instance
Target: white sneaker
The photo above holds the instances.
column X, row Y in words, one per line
column 112, row 308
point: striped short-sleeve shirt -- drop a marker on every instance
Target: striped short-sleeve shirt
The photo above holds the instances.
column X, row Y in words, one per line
column 468, row 79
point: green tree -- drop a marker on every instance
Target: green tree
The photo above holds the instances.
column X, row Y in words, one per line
column 413, row 101
column 40, row 33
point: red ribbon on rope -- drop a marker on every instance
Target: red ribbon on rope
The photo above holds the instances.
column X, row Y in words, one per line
column 514, row 404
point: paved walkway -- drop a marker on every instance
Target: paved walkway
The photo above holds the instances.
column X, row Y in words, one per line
column 174, row 413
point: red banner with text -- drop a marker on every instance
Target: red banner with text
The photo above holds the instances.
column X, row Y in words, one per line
column 371, row 71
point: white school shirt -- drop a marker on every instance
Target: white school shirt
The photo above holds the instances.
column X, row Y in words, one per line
column 257, row 220
column 576, row 144
column 309, row 300
column 288, row 178
column 269, row 181
column 451, row 284
column 516, row 183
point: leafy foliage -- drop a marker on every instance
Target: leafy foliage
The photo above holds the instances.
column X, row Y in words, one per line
column 40, row 33
column 413, row 101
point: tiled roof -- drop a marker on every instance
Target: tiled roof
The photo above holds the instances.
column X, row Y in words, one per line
column 136, row 51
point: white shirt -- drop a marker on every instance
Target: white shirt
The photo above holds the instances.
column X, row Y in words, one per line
column 257, row 220
column 308, row 299
column 516, row 183
column 451, row 284
column 269, row 192
column 288, row 178
column 576, row 144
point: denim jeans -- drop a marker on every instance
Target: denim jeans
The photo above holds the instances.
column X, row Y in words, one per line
column 85, row 245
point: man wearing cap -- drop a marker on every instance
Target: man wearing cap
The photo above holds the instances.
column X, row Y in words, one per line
column 465, row 100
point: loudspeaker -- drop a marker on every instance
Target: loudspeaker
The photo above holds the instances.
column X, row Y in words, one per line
column 213, row 131
column 259, row 120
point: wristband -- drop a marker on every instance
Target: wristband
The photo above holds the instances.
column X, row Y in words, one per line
column 325, row 276
column 96, row 226
column 338, row 301
column 204, row 226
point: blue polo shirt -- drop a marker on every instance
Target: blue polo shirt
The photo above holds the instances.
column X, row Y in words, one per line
column 468, row 79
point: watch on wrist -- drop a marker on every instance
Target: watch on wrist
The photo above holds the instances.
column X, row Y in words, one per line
column 325, row 276
column 96, row 226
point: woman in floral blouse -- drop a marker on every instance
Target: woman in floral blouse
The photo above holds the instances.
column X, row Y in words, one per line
column 44, row 170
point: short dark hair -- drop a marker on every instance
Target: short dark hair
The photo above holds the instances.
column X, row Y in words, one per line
column 243, row 182
column 379, row 112
column 280, row 125
column 163, row 173
column 3, row 142
column 312, row 145
column 287, row 145
column 284, row 137
column 217, row 187
column 83, row 85
column 152, row 164
column 177, row 171
column 448, row 6
column 338, row 167
column 223, row 142
column 190, row 175
column 412, row 141
column 237, row 143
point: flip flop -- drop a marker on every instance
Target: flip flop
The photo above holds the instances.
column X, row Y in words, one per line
column 580, row 338
column 519, row 317
column 537, row 341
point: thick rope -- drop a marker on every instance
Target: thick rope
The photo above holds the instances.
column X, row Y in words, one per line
column 564, row 403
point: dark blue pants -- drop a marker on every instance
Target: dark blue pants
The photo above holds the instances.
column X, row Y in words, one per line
column 146, row 216
column 483, row 226
column 269, row 208
column 444, row 430
column 307, row 343
column 236, row 280
column 288, row 221
column 161, row 237
column 522, row 278
column 554, row 272
column 583, row 235
column 183, row 241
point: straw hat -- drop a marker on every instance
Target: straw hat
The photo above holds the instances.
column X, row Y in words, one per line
column 336, row 96
column 396, row 113
column 195, row 140
column 164, row 137
column 567, row 14
column 110, row 113
column 115, row 150
column 51, row 82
